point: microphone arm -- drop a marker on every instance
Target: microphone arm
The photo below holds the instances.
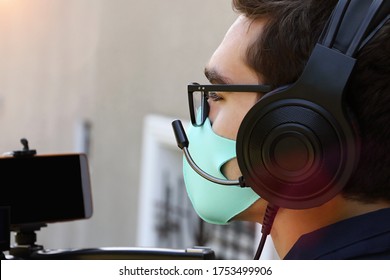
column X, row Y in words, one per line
column 182, row 143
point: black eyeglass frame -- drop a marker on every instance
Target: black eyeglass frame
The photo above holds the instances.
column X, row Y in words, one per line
column 205, row 89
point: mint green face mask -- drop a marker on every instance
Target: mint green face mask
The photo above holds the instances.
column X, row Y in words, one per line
column 214, row 203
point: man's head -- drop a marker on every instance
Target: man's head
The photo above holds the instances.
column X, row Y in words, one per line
column 269, row 44
column 257, row 50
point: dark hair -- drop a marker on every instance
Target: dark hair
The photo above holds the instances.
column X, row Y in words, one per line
column 292, row 30
column 280, row 54
column 368, row 94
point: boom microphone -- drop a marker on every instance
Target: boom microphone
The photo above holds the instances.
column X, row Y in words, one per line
column 183, row 143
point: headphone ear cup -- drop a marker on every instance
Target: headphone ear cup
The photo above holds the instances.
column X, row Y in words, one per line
column 294, row 153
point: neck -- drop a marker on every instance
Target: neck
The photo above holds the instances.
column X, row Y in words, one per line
column 289, row 224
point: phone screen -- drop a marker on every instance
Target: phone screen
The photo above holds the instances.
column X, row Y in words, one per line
column 46, row 188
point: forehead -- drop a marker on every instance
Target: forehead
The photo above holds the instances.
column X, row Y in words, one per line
column 245, row 28
column 229, row 59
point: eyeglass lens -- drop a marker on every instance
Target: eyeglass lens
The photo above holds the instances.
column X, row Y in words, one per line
column 200, row 107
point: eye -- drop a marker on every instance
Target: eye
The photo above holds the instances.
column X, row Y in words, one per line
column 213, row 96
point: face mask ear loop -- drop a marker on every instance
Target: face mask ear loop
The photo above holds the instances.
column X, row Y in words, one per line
column 269, row 217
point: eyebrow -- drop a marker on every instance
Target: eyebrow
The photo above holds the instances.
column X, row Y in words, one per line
column 215, row 77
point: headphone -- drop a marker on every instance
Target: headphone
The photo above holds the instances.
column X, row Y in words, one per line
column 298, row 146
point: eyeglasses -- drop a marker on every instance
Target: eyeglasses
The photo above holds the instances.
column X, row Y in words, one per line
column 199, row 94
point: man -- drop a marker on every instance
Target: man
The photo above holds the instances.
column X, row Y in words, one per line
column 269, row 45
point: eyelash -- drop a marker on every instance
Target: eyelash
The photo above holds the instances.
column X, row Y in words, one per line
column 214, row 96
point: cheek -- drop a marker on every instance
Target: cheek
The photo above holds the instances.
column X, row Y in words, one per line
column 226, row 121
column 213, row 113
column 226, row 117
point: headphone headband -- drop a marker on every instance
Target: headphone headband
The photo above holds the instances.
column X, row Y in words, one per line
column 354, row 21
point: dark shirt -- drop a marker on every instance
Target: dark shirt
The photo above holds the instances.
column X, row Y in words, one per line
column 362, row 237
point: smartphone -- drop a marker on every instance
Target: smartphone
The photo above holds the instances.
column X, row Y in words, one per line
column 46, row 188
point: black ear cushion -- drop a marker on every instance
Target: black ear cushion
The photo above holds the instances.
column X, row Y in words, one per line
column 292, row 153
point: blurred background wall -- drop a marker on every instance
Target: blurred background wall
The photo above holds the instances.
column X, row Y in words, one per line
column 73, row 70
